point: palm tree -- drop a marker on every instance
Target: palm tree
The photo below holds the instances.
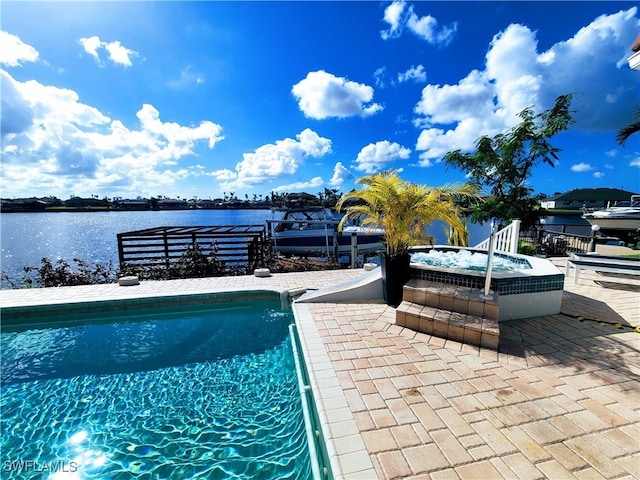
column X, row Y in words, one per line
column 625, row 132
column 402, row 209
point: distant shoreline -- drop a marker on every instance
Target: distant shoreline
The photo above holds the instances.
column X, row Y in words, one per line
column 244, row 207
column 108, row 209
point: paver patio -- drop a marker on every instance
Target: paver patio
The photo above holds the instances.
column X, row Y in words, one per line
column 559, row 399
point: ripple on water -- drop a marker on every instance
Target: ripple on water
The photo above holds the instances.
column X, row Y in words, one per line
column 237, row 417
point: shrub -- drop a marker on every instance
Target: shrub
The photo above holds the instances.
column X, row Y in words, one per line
column 61, row 273
column 526, row 248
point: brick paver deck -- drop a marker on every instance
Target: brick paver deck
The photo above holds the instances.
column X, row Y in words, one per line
column 560, row 398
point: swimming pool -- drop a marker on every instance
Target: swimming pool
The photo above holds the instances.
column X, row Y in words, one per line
column 199, row 391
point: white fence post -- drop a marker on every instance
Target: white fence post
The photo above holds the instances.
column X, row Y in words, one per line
column 515, row 236
column 506, row 240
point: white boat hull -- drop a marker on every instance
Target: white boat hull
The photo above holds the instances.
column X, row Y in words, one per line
column 614, row 223
column 315, row 233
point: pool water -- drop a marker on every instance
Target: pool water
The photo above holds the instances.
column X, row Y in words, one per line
column 208, row 393
column 467, row 260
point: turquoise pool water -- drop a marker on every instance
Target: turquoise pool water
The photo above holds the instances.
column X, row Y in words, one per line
column 209, row 393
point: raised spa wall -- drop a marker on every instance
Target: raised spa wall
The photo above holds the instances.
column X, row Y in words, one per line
column 522, row 293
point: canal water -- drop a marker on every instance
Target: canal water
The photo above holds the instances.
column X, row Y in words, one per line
column 26, row 238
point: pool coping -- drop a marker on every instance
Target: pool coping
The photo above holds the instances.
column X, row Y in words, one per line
column 346, row 449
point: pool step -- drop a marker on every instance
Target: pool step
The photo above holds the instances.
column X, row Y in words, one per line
column 451, row 312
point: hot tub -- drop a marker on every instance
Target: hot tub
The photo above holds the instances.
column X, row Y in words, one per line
column 526, row 286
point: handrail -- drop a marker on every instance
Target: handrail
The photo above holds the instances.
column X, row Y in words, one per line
column 506, row 240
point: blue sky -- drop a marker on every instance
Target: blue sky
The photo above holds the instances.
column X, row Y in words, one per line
column 200, row 99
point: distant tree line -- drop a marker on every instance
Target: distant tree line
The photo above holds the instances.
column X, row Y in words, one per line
column 326, row 199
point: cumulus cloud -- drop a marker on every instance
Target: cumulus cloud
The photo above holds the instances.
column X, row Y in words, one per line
column 323, row 95
column 581, row 167
column 315, row 182
column 517, row 75
column 398, row 15
column 17, row 115
column 340, row 175
column 415, row 73
column 598, row 174
column 55, row 141
column 275, row 160
column 376, row 156
column 117, row 52
column 393, row 16
column 13, row 51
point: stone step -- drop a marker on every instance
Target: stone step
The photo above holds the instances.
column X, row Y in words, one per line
column 470, row 329
column 451, row 312
column 466, row 300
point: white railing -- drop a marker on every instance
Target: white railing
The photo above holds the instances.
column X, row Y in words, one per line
column 506, row 240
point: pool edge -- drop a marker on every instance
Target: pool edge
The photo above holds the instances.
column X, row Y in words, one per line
column 342, row 436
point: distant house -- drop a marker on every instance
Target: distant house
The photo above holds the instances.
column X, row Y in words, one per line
column 209, row 204
column 78, row 202
column 136, row 204
column 172, row 204
column 23, row 205
column 586, row 197
column 300, row 199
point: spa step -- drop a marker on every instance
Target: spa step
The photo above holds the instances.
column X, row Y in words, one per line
column 452, row 298
column 451, row 312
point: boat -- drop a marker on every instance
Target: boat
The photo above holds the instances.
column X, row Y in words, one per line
column 621, row 217
column 314, row 232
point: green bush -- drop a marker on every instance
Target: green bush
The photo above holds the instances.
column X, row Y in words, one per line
column 526, row 248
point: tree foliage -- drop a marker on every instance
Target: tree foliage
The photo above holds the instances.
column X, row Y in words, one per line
column 504, row 163
column 403, row 209
column 625, row 132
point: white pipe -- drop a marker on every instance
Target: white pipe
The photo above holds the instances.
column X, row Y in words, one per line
column 354, row 249
column 304, row 390
column 486, row 295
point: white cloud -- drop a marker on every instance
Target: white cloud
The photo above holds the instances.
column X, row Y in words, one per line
column 611, row 153
column 427, row 28
column 635, row 162
column 398, row 16
column 517, row 75
column 340, row 175
column 117, row 52
column 323, row 95
column 380, row 76
column 276, row 160
column 14, row 51
column 91, row 45
column 598, row 174
column 393, row 16
column 55, row 143
column 415, row 73
column 186, row 79
column 456, row 103
column 376, row 156
column 315, row 182
column 581, row 167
